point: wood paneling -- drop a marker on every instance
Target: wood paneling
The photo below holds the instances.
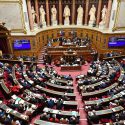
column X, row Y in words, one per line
column 99, row 39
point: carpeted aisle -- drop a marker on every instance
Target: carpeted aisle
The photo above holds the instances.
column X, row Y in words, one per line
column 83, row 119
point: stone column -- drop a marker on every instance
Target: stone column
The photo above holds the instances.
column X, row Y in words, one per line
column 30, row 14
column 60, row 12
column 86, row 12
column 99, row 12
column 37, row 11
column 73, row 12
column 108, row 13
column 47, row 13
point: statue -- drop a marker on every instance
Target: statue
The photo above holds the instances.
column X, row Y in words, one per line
column 80, row 15
column 42, row 16
column 33, row 14
column 92, row 15
column 104, row 15
column 66, row 14
column 53, row 16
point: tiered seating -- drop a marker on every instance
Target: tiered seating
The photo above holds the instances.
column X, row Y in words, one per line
column 104, row 105
column 43, row 93
column 35, row 89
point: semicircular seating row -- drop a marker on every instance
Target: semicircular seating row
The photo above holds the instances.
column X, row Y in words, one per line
column 103, row 92
column 27, row 93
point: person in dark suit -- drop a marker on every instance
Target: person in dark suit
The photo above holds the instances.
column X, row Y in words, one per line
column 59, row 104
column 50, row 103
column 73, row 120
column 94, row 119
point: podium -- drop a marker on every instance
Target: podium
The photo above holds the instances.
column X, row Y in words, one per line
column 70, row 53
column 69, row 56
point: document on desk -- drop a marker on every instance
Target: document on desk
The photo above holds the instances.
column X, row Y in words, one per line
column 55, row 111
column 107, row 123
column 123, row 93
column 113, row 109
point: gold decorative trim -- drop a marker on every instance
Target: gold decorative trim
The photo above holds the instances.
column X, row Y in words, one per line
column 115, row 27
column 21, row 13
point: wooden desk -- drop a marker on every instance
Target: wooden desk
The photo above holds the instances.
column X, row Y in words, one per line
column 70, row 53
column 14, row 112
column 61, row 80
column 1, row 73
column 104, row 100
column 107, row 111
column 67, row 104
column 68, row 45
column 4, row 87
column 122, row 72
column 15, row 97
column 15, row 61
column 114, row 57
column 62, row 113
column 41, row 122
column 89, row 94
column 95, row 84
column 14, row 77
column 59, row 87
column 67, row 68
column 57, row 52
column 55, row 93
column 26, row 77
column 64, row 48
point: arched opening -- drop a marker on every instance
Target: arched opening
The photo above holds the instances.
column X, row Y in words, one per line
column 4, row 33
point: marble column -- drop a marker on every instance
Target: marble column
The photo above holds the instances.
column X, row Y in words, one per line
column 108, row 13
column 37, row 11
column 73, row 12
column 30, row 14
column 99, row 12
column 86, row 12
column 60, row 12
column 47, row 13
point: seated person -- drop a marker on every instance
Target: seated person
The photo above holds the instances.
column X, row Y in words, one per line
column 59, row 104
column 54, row 119
column 65, row 98
column 94, row 119
column 64, row 121
column 73, row 120
column 29, row 111
column 45, row 116
column 50, row 103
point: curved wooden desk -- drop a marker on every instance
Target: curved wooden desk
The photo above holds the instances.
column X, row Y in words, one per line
column 104, row 100
column 55, row 93
column 26, row 77
column 4, row 87
column 14, row 112
column 58, row 87
column 70, row 104
column 107, row 111
column 14, row 77
column 100, row 91
column 41, row 122
column 62, row 113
